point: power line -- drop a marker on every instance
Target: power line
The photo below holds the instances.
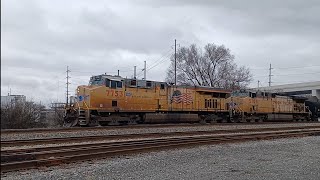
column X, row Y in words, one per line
column 100, row 72
column 300, row 67
column 158, row 62
column 155, row 65
column 287, row 74
column 297, row 67
column 295, row 74
column 163, row 54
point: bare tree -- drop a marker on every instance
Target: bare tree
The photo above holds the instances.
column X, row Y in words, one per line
column 55, row 118
column 21, row 115
column 214, row 66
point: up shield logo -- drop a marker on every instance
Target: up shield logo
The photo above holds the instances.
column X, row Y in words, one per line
column 80, row 98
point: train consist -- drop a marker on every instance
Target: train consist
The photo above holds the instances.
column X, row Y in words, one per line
column 115, row 100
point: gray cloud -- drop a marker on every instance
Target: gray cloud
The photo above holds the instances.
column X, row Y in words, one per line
column 40, row 38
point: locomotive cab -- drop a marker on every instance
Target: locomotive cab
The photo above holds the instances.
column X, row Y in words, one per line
column 113, row 83
column 90, row 99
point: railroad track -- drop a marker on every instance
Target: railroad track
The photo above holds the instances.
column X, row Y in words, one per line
column 80, row 139
column 47, row 156
column 138, row 126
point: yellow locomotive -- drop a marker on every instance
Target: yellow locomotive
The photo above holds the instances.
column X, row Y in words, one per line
column 115, row 100
column 251, row 106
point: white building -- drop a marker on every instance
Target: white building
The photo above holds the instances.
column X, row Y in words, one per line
column 12, row 99
column 304, row 89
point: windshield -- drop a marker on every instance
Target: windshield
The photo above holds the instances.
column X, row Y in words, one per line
column 96, row 80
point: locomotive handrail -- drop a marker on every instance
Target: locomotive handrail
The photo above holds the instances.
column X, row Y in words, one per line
column 86, row 104
column 239, row 108
column 307, row 109
column 78, row 107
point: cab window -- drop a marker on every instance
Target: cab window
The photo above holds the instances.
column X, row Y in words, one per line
column 116, row 84
column 113, row 84
column 119, row 84
column 107, row 83
column 148, row 84
column 96, row 80
column 133, row 83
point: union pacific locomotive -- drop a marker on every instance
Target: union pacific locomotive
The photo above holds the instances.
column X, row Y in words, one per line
column 114, row 100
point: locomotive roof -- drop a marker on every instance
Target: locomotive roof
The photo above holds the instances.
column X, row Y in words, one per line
column 212, row 89
column 119, row 78
column 197, row 88
column 298, row 97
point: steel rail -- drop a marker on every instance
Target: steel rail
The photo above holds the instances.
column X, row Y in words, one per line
column 79, row 139
column 139, row 126
column 45, row 157
column 54, row 148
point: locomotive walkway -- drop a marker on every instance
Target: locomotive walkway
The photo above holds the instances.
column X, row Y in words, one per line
column 17, row 159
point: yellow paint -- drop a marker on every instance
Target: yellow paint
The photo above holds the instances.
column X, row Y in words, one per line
column 133, row 99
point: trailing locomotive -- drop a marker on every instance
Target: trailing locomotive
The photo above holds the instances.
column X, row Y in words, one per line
column 313, row 105
column 115, row 100
column 250, row 106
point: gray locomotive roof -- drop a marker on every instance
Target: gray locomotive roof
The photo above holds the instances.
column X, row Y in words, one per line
column 140, row 82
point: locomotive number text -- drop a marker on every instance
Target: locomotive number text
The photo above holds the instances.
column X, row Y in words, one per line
column 114, row 93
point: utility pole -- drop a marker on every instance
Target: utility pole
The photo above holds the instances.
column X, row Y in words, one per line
column 145, row 70
column 175, row 62
column 135, row 72
column 270, row 75
column 258, row 84
column 118, row 72
column 67, row 86
column 58, row 91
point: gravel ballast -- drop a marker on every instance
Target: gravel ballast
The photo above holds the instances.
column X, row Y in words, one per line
column 21, row 136
column 297, row 158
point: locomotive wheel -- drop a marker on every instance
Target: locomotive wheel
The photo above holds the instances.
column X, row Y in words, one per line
column 212, row 119
column 93, row 122
column 70, row 123
column 223, row 120
column 113, row 122
column 232, row 120
column 65, row 124
column 260, row 119
column 132, row 122
column 251, row 120
column 202, row 121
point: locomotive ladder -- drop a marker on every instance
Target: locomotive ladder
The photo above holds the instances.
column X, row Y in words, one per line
column 82, row 116
column 237, row 110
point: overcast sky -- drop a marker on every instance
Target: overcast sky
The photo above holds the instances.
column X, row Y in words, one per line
column 40, row 38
